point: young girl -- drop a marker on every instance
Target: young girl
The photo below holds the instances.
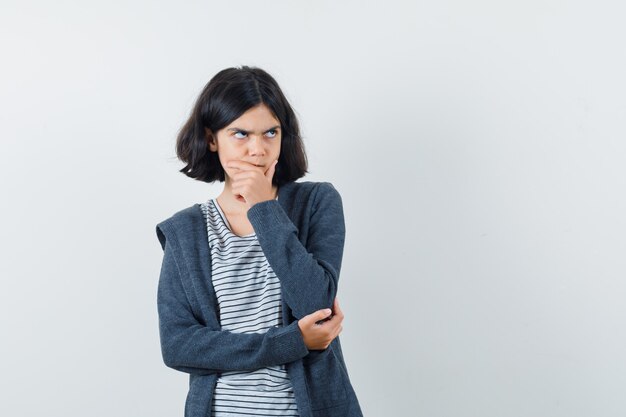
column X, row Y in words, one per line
column 247, row 292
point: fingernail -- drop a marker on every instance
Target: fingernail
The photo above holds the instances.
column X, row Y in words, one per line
column 327, row 311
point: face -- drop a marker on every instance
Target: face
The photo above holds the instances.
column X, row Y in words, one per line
column 254, row 137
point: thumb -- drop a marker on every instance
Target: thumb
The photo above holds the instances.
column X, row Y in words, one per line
column 269, row 174
column 319, row 315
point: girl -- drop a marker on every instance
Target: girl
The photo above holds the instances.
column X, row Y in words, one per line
column 247, row 292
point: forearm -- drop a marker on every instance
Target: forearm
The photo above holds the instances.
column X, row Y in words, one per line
column 309, row 275
column 190, row 346
column 197, row 349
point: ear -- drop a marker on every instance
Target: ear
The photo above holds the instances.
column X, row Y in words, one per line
column 211, row 140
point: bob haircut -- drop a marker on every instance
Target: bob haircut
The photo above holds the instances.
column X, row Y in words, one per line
column 229, row 94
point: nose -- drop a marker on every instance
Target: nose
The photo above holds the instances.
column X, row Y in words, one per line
column 256, row 146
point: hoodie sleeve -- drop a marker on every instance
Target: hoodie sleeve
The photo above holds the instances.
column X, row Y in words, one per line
column 188, row 345
column 308, row 274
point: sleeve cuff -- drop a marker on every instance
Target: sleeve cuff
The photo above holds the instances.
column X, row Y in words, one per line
column 268, row 215
column 288, row 343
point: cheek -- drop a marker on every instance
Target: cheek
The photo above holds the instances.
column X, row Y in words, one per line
column 225, row 158
column 277, row 149
column 224, row 162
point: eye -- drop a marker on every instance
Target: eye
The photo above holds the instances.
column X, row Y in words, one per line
column 240, row 133
column 271, row 133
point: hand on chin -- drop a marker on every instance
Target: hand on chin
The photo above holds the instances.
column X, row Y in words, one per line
column 250, row 183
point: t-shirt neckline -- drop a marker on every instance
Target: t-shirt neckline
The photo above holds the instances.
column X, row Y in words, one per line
column 225, row 220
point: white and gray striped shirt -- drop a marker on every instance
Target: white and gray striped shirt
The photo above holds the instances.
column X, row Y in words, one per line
column 249, row 298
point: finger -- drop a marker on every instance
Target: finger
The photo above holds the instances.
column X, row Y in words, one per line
column 243, row 184
column 243, row 174
column 338, row 311
column 237, row 180
column 235, row 188
column 269, row 174
column 336, row 332
column 243, row 165
column 337, row 319
column 319, row 315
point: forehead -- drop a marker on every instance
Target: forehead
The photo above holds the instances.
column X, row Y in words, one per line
column 258, row 117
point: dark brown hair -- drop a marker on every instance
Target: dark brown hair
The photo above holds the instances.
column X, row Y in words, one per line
column 229, row 94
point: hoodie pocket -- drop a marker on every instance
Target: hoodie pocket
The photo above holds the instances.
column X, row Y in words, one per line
column 325, row 381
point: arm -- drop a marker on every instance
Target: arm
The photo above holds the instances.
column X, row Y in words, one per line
column 191, row 347
column 308, row 275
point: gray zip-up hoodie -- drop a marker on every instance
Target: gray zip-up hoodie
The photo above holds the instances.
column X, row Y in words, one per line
column 302, row 236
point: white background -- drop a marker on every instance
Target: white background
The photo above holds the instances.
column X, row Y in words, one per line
column 479, row 148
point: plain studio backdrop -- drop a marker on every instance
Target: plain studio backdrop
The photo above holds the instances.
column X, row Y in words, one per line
column 479, row 148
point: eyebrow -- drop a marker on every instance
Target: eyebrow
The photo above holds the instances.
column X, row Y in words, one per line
column 236, row 129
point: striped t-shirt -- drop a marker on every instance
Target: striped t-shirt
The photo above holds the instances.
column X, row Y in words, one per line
column 249, row 299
